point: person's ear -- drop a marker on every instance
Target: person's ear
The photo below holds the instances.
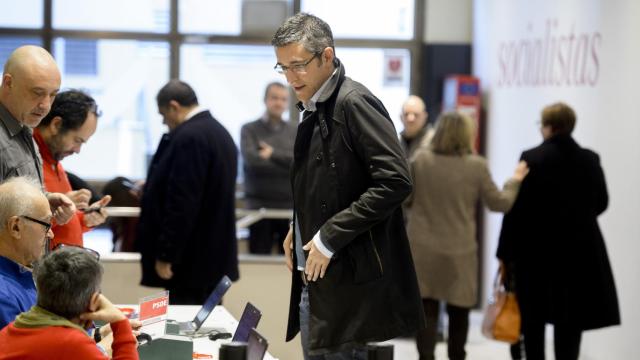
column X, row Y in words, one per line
column 94, row 303
column 55, row 125
column 173, row 105
column 13, row 225
column 7, row 81
column 327, row 55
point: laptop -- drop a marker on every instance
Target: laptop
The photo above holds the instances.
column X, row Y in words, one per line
column 249, row 319
column 256, row 346
column 192, row 327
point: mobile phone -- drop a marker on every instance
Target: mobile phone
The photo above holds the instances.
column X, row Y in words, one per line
column 91, row 209
column 129, row 185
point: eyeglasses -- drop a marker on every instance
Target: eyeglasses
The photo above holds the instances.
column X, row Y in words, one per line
column 91, row 252
column 47, row 226
column 300, row 68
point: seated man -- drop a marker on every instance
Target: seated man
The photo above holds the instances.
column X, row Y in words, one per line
column 68, row 301
column 25, row 224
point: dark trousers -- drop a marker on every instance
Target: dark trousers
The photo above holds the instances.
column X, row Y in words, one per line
column 566, row 339
column 265, row 233
column 517, row 350
column 458, row 330
column 189, row 296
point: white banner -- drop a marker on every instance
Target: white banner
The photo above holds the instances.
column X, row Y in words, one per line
column 586, row 53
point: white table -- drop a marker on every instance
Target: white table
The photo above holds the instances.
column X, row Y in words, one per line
column 219, row 318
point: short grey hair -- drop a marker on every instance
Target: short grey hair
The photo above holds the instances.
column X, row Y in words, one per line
column 312, row 32
column 66, row 279
column 12, row 197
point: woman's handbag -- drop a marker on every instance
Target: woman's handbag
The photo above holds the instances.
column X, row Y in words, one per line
column 502, row 316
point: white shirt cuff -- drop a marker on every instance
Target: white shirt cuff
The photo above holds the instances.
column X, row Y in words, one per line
column 321, row 247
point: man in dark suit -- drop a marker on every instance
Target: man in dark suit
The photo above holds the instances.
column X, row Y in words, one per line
column 552, row 242
column 187, row 233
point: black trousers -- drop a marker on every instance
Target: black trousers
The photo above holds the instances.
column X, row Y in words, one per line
column 517, row 350
column 566, row 339
column 458, row 330
column 265, row 233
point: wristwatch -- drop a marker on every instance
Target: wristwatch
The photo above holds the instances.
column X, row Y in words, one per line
column 96, row 334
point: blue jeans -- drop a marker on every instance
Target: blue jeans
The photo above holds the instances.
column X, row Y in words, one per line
column 352, row 354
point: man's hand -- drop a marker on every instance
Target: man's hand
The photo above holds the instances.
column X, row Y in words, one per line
column 62, row 207
column 287, row 245
column 80, row 197
column 105, row 311
column 265, row 151
column 106, row 330
column 95, row 218
column 164, row 270
column 316, row 262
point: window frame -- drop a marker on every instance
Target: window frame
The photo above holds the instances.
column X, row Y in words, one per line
column 175, row 39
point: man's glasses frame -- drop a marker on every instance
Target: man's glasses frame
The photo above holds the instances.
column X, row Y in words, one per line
column 47, row 226
column 296, row 68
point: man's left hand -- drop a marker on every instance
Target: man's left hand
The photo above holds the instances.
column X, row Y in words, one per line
column 97, row 217
column 316, row 262
column 62, row 207
column 164, row 270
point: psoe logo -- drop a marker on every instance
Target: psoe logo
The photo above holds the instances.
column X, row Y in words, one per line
column 160, row 304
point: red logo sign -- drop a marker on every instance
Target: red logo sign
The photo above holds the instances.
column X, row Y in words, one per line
column 154, row 307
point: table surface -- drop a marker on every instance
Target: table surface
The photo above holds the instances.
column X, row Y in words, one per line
column 219, row 318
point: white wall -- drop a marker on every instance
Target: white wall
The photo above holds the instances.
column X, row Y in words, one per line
column 601, row 86
column 448, row 21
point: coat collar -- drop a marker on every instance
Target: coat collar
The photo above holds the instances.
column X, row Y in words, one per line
column 328, row 88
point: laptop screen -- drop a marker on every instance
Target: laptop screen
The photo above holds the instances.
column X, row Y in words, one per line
column 249, row 319
column 257, row 346
column 212, row 301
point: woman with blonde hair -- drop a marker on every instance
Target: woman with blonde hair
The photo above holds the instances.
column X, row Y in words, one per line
column 449, row 180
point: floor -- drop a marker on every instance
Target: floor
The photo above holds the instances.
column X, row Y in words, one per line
column 478, row 347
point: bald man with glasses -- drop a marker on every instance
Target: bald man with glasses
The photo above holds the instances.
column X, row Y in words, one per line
column 25, row 226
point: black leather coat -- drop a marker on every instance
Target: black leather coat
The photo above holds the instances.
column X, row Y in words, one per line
column 349, row 179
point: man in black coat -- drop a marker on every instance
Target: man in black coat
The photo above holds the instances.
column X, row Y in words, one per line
column 552, row 241
column 187, row 233
column 353, row 278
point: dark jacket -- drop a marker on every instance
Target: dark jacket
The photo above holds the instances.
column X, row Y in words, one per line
column 552, row 237
column 349, row 179
column 266, row 182
column 188, row 206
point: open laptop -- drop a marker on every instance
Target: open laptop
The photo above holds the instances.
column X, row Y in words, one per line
column 249, row 319
column 256, row 346
column 192, row 327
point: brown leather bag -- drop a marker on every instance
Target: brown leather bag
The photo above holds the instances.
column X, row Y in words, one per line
column 502, row 316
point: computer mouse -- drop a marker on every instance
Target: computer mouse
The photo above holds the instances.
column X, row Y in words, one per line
column 143, row 338
column 219, row 335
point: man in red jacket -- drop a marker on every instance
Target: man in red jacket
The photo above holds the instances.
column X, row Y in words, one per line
column 70, row 123
column 69, row 300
